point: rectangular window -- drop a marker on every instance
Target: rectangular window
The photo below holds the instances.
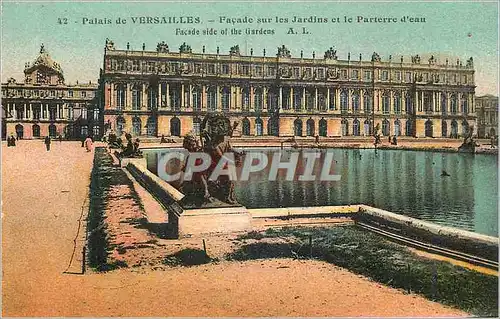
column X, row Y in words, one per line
column 84, row 94
column 258, row 71
column 343, row 74
column 70, row 93
column 398, row 76
column 426, row 77
column 368, row 75
column 385, row 75
column 464, row 79
column 271, row 71
column 211, row 68
column 320, row 73
column 35, row 93
column 354, row 74
column 84, row 113
column 198, row 68
column 96, row 114
column 307, row 72
column 121, row 66
column 408, row 77
column 225, row 69
column 296, row 72
column 245, row 70
column 135, row 65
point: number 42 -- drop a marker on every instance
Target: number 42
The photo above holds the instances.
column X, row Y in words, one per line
column 62, row 21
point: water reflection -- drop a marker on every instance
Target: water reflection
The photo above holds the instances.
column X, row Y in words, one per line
column 404, row 182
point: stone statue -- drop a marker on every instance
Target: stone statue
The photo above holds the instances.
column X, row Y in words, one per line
column 184, row 48
column 415, row 59
column 468, row 145
column 377, row 135
column 216, row 131
column 162, row 47
column 470, row 63
column 131, row 149
column 432, row 60
column 235, row 50
column 376, row 57
column 330, row 54
column 283, row 52
column 110, row 45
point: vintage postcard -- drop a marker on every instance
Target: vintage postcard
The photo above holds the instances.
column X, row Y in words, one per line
column 249, row 159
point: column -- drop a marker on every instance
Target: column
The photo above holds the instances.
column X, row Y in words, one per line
column 111, row 95
column 158, row 103
column 204, row 98
column 391, row 102
column 128, row 102
column 280, row 106
column 144, row 97
column 303, row 104
column 182, row 96
column 190, row 90
column 328, row 99
column 252, row 107
column 14, row 111
column 337, row 99
column 24, row 114
column 265, row 91
column 292, row 106
column 57, row 111
column 31, row 111
column 316, row 105
column 167, row 96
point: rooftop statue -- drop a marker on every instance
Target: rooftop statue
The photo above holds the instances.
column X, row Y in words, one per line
column 432, row 60
column 184, row 48
column 331, row 54
column 470, row 63
column 235, row 50
column 283, row 52
column 376, row 57
column 110, row 45
column 415, row 59
column 162, row 47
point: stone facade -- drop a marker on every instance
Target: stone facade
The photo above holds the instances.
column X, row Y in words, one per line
column 152, row 93
column 44, row 105
column 487, row 115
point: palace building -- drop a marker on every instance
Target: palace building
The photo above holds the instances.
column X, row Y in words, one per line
column 487, row 115
column 44, row 105
column 152, row 93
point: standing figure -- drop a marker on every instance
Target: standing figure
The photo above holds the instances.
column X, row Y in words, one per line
column 60, row 138
column 47, row 142
column 88, row 144
column 11, row 140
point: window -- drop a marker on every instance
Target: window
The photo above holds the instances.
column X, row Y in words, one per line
column 368, row 75
column 385, row 103
column 244, row 69
column 343, row 100
column 408, row 77
column 96, row 115
column 52, row 93
column 70, row 93
column 332, row 105
column 211, row 68
column 398, row 76
column 151, row 66
column 307, row 72
column 385, row 75
column 136, row 98
column 35, row 93
column 258, row 71
column 198, row 68
column 320, row 73
column 296, row 72
column 84, row 94
column 135, row 65
column 426, row 77
column 354, row 74
column 225, row 69
column 343, row 74
column 84, row 112
column 271, row 71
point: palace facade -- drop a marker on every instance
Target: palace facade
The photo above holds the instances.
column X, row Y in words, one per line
column 44, row 105
column 152, row 93
column 487, row 115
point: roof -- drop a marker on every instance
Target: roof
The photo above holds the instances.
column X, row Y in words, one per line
column 45, row 60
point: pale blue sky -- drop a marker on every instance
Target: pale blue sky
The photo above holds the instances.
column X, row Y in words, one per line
column 79, row 48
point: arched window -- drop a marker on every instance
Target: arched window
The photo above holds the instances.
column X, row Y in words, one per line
column 454, row 129
column 465, row 127
column 428, row 128
column 175, row 127
column 212, row 99
column 355, row 101
column 385, row 103
column 197, row 98
column 36, row 130
column 136, row 97
column 343, row 101
column 175, row 97
column 226, row 99
column 367, row 102
column 136, row 126
column 120, row 125
column 397, row 128
column 52, row 130
column 257, row 99
column 409, row 128
column 453, row 104
column 355, row 128
column 297, row 127
column 272, row 100
column 409, row 103
column 323, row 127
column 345, row 127
column 120, row 96
column 152, row 97
column 310, row 100
column 386, row 127
column 245, row 127
column 151, row 126
column 259, row 127
column 397, row 103
column 367, row 128
column 245, row 99
column 465, row 105
column 297, row 99
column 273, row 126
column 444, row 128
column 19, row 131
column 444, row 103
column 310, row 127
column 196, row 126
